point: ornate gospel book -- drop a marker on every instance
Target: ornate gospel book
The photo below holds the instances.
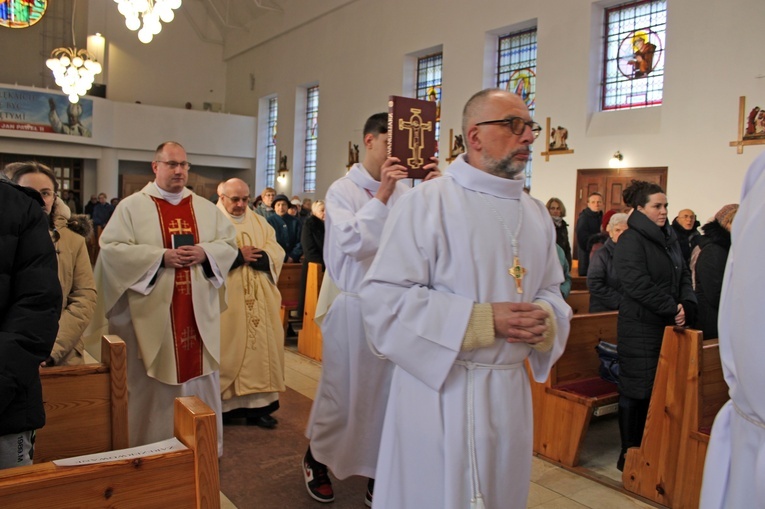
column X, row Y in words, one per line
column 412, row 133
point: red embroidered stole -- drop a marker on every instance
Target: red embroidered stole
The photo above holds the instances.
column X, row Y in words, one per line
column 186, row 337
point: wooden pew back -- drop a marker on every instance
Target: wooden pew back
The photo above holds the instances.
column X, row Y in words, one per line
column 289, row 284
column 557, row 403
column 179, row 479
column 309, row 338
column 85, row 406
column 579, row 300
column 578, row 283
column 688, row 391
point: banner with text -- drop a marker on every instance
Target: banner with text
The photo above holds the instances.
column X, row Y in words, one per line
column 40, row 112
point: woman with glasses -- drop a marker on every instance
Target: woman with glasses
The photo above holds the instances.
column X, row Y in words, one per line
column 75, row 273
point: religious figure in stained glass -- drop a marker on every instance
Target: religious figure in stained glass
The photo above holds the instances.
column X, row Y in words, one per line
column 522, row 83
column 640, row 53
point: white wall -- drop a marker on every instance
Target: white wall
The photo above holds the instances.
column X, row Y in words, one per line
column 356, row 54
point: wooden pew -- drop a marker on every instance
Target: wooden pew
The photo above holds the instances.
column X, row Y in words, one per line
column 579, row 283
column 689, row 389
column 289, row 288
column 574, row 391
column 579, row 300
column 309, row 337
column 86, row 406
column 178, row 479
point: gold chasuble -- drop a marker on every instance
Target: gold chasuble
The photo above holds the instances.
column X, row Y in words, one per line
column 252, row 337
column 179, row 220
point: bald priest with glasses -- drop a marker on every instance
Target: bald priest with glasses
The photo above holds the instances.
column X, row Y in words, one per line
column 165, row 254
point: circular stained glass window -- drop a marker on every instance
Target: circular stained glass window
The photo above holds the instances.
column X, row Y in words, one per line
column 21, row 13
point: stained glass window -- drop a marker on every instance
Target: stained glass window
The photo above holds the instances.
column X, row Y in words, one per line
column 517, row 71
column 429, row 83
column 311, row 139
column 273, row 108
column 21, row 13
column 633, row 57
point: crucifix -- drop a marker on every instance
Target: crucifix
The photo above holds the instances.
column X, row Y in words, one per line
column 517, row 271
column 743, row 140
column 416, row 127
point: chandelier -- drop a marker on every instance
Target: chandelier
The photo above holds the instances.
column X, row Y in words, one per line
column 73, row 69
column 151, row 12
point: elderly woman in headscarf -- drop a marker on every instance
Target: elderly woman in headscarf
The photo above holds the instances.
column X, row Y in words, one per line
column 605, row 289
column 75, row 273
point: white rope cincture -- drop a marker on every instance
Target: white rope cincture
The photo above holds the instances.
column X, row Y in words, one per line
column 476, row 497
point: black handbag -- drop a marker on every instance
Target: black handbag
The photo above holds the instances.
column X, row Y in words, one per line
column 609, row 361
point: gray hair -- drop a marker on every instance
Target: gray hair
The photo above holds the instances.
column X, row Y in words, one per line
column 617, row 219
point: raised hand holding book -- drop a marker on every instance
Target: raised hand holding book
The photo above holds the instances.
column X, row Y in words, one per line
column 412, row 133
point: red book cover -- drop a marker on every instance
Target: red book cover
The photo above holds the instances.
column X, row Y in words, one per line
column 412, row 133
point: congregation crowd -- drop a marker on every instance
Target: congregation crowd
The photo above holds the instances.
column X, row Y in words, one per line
column 439, row 293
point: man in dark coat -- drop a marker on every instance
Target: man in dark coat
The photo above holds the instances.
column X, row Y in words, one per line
column 686, row 227
column 288, row 229
column 588, row 224
column 30, row 305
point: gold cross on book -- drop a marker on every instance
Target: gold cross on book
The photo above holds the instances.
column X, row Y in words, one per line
column 517, row 272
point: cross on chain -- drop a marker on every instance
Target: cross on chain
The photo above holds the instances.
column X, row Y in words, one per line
column 517, row 272
column 188, row 338
column 179, row 226
column 416, row 127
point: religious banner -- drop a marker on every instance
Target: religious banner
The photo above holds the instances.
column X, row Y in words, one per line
column 41, row 112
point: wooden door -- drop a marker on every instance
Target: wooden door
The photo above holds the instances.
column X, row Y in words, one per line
column 610, row 183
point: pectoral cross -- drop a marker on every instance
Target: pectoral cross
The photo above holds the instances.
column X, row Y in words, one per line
column 415, row 126
column 517, row 272
column 188, row 338
column 179, row 226
column 183, row 283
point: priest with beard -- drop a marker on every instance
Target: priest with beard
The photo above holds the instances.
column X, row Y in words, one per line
column 463, row 290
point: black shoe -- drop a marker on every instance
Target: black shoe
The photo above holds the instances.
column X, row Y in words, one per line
column 317, row 480
column 263, row 421
column 369, row 493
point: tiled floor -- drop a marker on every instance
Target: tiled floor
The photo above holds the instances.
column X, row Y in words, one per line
column 552, row 487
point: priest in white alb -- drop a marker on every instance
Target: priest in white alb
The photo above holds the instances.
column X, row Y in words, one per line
column 252, row 334
column 164, row 256
column 734, row 472
column 464, row 289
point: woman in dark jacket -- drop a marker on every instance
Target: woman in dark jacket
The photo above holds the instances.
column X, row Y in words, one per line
column 312, row 240
column 657, row 293
column 605, row 289
column 558, row 211
column 709, row 267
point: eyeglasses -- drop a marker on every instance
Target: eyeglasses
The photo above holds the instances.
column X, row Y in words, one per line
column 175, row 164
column 236, row 199
column 516, row 125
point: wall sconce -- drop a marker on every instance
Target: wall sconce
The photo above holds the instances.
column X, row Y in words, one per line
column 283, row 170
column 616, row 160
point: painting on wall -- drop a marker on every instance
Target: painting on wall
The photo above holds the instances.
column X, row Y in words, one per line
column 755, row 124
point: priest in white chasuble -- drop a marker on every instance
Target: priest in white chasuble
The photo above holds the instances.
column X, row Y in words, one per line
column 464, row 288
column 163, row 262
column 252, row 335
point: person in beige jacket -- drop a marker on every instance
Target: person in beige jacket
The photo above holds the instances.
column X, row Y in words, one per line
column 75, row 273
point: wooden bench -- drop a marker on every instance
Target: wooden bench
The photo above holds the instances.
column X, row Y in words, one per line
column 579, row 300
column 689, row 390
column 179, row 479
column 309, row 337
column 579, row 283
column 86, row 406
column 574, row 391
column 289, row 288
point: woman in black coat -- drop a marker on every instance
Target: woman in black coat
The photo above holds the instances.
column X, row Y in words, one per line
column 657, row 292
column 558, row 211
column 709, row 268
column 312, row 240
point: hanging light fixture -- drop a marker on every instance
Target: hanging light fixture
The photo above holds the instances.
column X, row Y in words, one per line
column 150, row 12
column 74, row 69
